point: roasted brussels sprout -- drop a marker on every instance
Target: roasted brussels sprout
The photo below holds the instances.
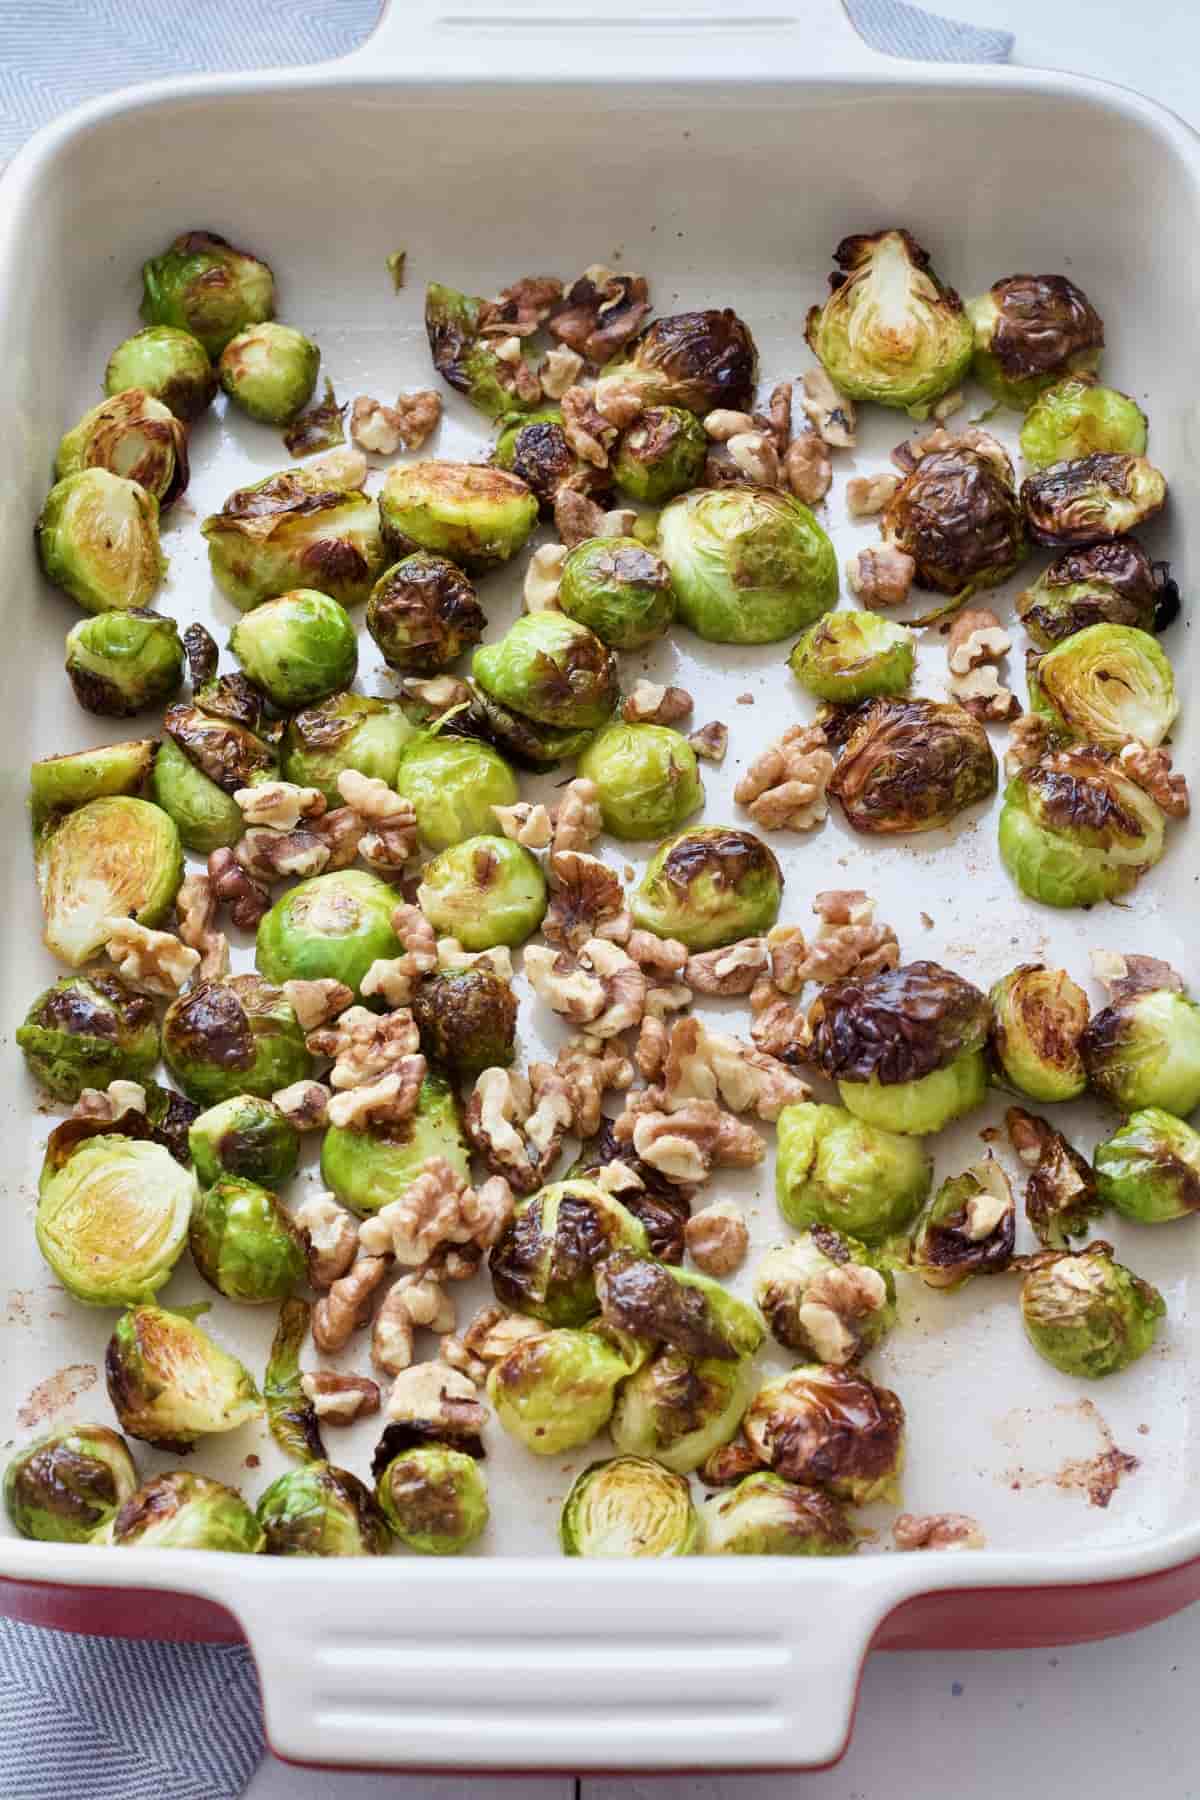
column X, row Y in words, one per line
column 764, row 1515
column 836, row 1171
column 656, row 1303
column 1091, row 501
column 295, row 530
column 477, row 516
column 697, row 360
column 1089, row 1315
column 523, row 740
column 1074, row 829
column 660, row 455
column 168, row 363
column 467, row 360
column 58, row 784
column 132, row 435
column 123, row 662
column 114, row 858
column 349, row 731
column 484, row 891
column 534, row 447
column 1030, row 331
column 366, row 1169
column 830, row 1428
column 708, row 887
column 1143, row 1049
column 178, row 1511
column 270, row 371
column 1060, row 1194
column 1076, row 417
column 297, row 649
column 1107, row 584
column 170, row 1117
column 555, row 1391
column 333, row 925
column 86, row 1031
column 319, row 1510
column 958, row 517
column 904, row 1046
column 967, row 1229
column 1038, row 1018
column 823, row 1295
column 245, row 1136
column 748, row 565
column 243, row 1242
column 454, row 785
column 618, row 589
column 467, row 1019
column 205, row 286
column 434, row 1498
column 233, row 1036
column 663, row 1208
column 628, row 1506
column 1105, row 685
column 546, row 1259
column 423, row 613
column 850, row 656
column 1150, row 1169
column 203, row 761
column 647, row 780
column 913, row 765
column 678, row 1410
column 98, row 540
column 551, row 670
column 69, row 1485
column 291, row 1415
column 170, row 1385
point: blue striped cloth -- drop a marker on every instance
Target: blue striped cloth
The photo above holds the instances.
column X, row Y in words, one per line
column 102, row 1717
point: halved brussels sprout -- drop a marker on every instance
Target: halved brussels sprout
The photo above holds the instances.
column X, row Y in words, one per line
column 58, row 784
column 1149, row 1170
column 178, row 1511
column 270, row 371
column 206, row 818
column 823, row 1295
column 1105, row 685
column 1038, row 1018
column 69, row 1485
column 913, row 765
column 454, row 784
column 348, row 731
column 132, row 435
column 709, row 886
column 835, row 1171
column 434, row 1498
column 521, row 739
column 655, row 1303
column 1144, row 1050
column 467, row 360
column 628, row 1506
column 1076, row 417
column 1029, row 331
column 555, row 1391
column 291, row 1415
column 168, row 363
column 86, row 1031
column 889, row 331
column 967, row 1229
column 247, row 1135
column 646, row 776
column 366, row 1169
column 830, row 1428
column 243, row 1242
column 618, row 589
column 204, row 285
column 748, row 565
column 97, row 537
column 1092, row 500
column 123, row 662
column 1107, row 584
column 234, row 1036
column 850, row 656
column 467, row 1019
column 1060, row 1194
column 295, row 530
column 298, row 648
column 679, row 1410
column 115, row 858
column 333, row 925
column 476, row 515
column 484, row 891
column 170, row 1385
column 1074, row 829
column 958, row 517
column 1088, row 1315
column 423, row 614
column 551, row 670
column 697, row 360
column 535, row 448
column 764, row 1515
column 546, row 1259
column 660, row 455
column 319, row 1510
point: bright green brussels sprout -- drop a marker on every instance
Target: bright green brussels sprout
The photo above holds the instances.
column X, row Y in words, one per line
column 348, row 731
column 655, row 1303
column 1060, row 1195
column 749, row 565
column 967, row 1229
column 534, row 447
column 849, row 656
column 484, row 891
column 206, row 818
column 123, row 662
column 246, row 1135
column 1144, row 1048
column 764, row 1515
column 1077, row 417
column 837, row 1171
column 709, row 886
column 1038, row 1018
column 132, row 435
column 170, row 1385
column 467, row 360
column 913, row 765
column 1106, row 584
column 546, row 1259
column 115, row 858
column 1074, row 829
column 1088, row 1315
column 295, row 530
column 333, row 925
column 1105, row 685
column 822, row 1294
column 168, row 363
column 647, row 781
column 453, row 783
column 1150, row 1169
column 98, row 540
column 57, row 784
column 233, row 1036
column 889, row 331
column 555, row 1391
column 957, row 515
column 628, row 1506
column 830, row 1428
column 291, row 1415
column 434, row 1498
column 660, row 455
column 69, row 1485
column 678, row 1410
column 476, row 515
column 1029, row 331
column 1091, row 501
column 297, row 649
column 696, row 360
column 467, row 1019
column 178, row 1511
column 270, row 371
column 319, row 1510
column 86, row 1031
column 521, row 739
column 366, row 1169
column 905, row 1047
column 243, row 1242
column 423, row 613
column 204, row 285
column 618, row 589
column 551, row 670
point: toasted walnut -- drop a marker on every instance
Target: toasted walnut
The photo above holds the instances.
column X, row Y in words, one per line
column 437, row 694
column 707, row 1065
column 733, row 970
column 754, row 453
column 341, row 467
column 453, row 1351
column 684, row 1144
column 364, row 1044
column 787, row 949
column 246, row 900
column 420, row 414
column 619, row 400
column 710, row 742
column 577, row 819
column 836, row 1303
column 525, row 823
column 1125, row 976
column 604, row 990
column 376, row 427
column 332, row 1238
column 618, row 1178
column 565, row 986
column 153, row 962
column 196, row 910
column 415, row 1300
column 586, row 900
column 722, row 424
column 983, row 694
column 602, row 310
column 807, row 468
column 590, row 435
column 519, row 309
column 305, row 1103
column 778, row 1028
column 1151, row 769
column 830, row 411
column 396, row 979
column 340, row 1399
column 660, row 957
column 389, row 1099
column 348, row 1304
column 438, row 1208
column 576, row 518
column 316, row 1002
column 519, row 377
column 937, row 1531
column 1028, row 741
column 976, row 637
column 784, row 788
column 728, row 1464
column 268, row 855
column 589, row 1068
column 543, row 578
column 717, row 1238
column 650, row 1052
column 110, row 1102
column 434, row 1395
column 280, row 805
column 560, row 369
column 778, row 417
column 867, row 495
column 847, row 941
column 389, row 837
column 651, row 704
column 882, row 576
column 451, row 957
column 518, row 1133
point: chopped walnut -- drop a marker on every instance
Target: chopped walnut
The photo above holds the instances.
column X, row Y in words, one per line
column 1125, row 976
column 586, row 900
column 807, row 468
column 395, row 979
column 788, row 950
column 305, row 1104
column 268, row 855
column 280, row 805
column 560, row 369
column 983, row 694
column 589, row 1068
column 1151, row 769
column 389, row 1099
column 577, row 818
column 420, row 414
column 847, row 942
column 332, row 1238
column 434, row 1394
column 708, row 1065
column 340, row 1399
column 601, row 311
column 754, row 453
column 576, row 518
column 619, row 400
column 867, row 495
column 436, row 1209
column 778, row 418
column 453, row 1351
column 732, row 970
column 438, row 694
column 389, row 838
column 525, row 824
column 348, row 1304
column 722, row 424
column 882, row 576
column 196, row 910
column 315, row 1003
column 685, row 1143
column 519, row 309
column 830, row 411
column 1028, row 741
column 246, row 900
column 661, row 957
column 451, row 958
column 364, row 1044
column 153, row 962
column 416, row 1299
column 109, row 1103
column 492, row 1333
column 937, row 1531
column 650, row 1052
column 543, row 578
column 518, row 376
column 375, row 427
column 778, row 1028
column 650, row 704
column 710, row 742
column 784, row 788
column 341, row 467
column 590, row 435
column 604, row 990
column 717, row 1239
column 836, row 1302
column 518, row 1133
column 976, row 637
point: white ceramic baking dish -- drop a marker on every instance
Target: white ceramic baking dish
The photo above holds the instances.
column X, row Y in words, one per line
column 724, row 152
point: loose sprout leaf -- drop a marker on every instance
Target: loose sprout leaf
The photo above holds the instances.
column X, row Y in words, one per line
column 395, row 263
column 291, row 1416
column 321, row 427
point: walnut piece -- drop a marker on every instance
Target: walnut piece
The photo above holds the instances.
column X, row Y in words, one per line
column 976, row 637
column 416, row 1299
column 340, row 1399
column 152, row 962
column 684, row 1144
column 332, row 1238
column 788, row 950
column 836, row 1301
column 280, row 805
column 246, row 900
column 881, row 576
column 983, row 694
column 589, row 1068
column 830, row 412
column 525, row 823
column 710, row 742
column 438, row 1208
column 778, row 1028
column 807, row 468
column 305, row 1103
column 516, row 1128
column 867, row 495
column 196, row 910
column 576, row 517
column 708, row 1065
column 348, row 1304
column 717, row 1238
column 395, row 979
column 341, row 467
column 604, row 989
column 1028, row 742
column 560, row 369
column 784, row 788
column 110, row 1102
column 847, row 942
column 722, row 424
column 650, row 704
column 389, row 837
column 434, row 1394
column 586, row 900
column 451, row 957
column 754, row 453
column 364, row 1044
column 619, row 400
column 387, row 1100
column 732, row 970
column 650, row 1052
column 1124, row 976
column 375, row 427
column 543, row 578
column 590, row 435
column 317, row 1002
column 937, row 1531
column 1151, row 769
column 577, row 819
column 601, row 311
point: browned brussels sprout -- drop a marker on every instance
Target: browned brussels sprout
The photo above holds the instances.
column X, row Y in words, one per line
column 476, row 515
column 830, row 1428
column 1143, row 1049
column 913, row 765
column 535, row 448
column 958, row 517
column 709, row 886
column 660, row 455
column 1061, row 1198
column 204, row 285
column 967, row 1229
column 1075, row 829
column 1091, row 501
column 468, row 360
column 135, row 436
column 1038, row 1018
column 205, row 759
column 467, row 1019
column 691, row 1313
column 295, row 530
column 1106, row 584
column 546, row 1259
column 698, row 360
column 1087, row 1314
column 237, row 1036
column 86, row 1031
column 423, row 613
column 662, row 1206
column 550, row 670
column 1029, row 331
